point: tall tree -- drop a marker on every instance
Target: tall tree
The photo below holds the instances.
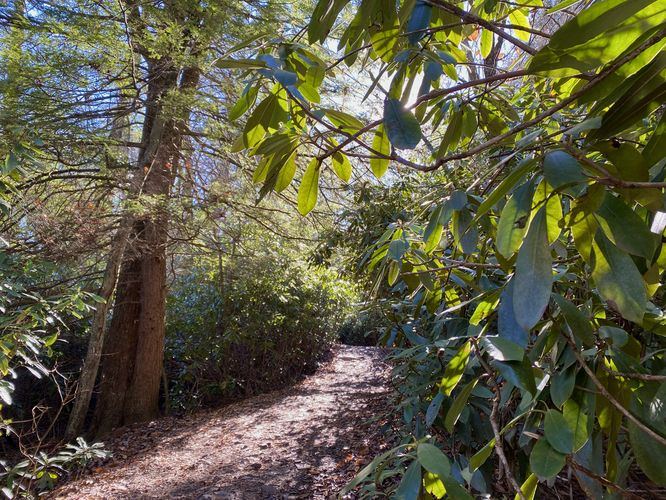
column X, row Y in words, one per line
column 115, row 96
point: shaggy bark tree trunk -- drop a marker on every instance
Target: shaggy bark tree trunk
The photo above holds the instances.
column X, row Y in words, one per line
column 132, row 360
column 134, row 351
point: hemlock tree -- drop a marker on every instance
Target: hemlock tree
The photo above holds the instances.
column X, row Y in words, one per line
column 172, row 46
column 120, row 95
column 539, row 283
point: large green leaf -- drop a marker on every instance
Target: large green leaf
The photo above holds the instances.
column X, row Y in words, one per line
column 452, row 135
column 480, row 457
column 344, row 121
column 281, row 170
column 545, row 461
column 590, row 456
column 341, row 166
column 557, row 432
column 410, row 486
column 402, row 128
column 286, row 174
column 562, row 170
column 529, row 487
column 455, row 369
column 382, row 145
column 266, row 117
column 309, row 188
column 230, row 63
column 465, row 233
column 519, row 373
column 486, row 42
column 261, row 171
column 485, row 308
column 562, row 386
column 545, row 197
column 458, row 406
column 512, row 221
column 643, row 93
column 578, row 323
column 597, row 35
column 650, row 453
column 618, row 280
column 433, row 460
column 502, row 349
column 625, row 228
column 655, row 149
column 384, row 42
column 507, row 326
column 245, row 102
column 611, row 87
column 518, row 18
column 435, row 404
column 533, row 280
column 323, row 17
column 454, row 491
column 277, row 144
column 434, row 224
column 579, row 417
column 418, row 21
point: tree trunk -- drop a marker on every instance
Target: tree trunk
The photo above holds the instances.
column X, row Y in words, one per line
column 133, row 355
column 90, row 367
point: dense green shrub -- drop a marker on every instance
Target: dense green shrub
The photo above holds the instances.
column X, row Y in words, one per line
column 364, row 327
column 249, row 329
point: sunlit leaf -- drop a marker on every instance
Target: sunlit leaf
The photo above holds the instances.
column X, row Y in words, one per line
column 309, row 188
column 382, row 145
column 455, row 369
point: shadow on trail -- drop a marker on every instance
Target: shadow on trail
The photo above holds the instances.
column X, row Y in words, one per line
column 306, row 441
column 274, row 474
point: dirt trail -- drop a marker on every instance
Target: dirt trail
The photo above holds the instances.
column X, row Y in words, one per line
column 305, row 441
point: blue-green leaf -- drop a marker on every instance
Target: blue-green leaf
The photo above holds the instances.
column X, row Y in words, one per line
column 433, row 460
column 410, row 486
column 562, row 169
column 402, row 128
column 309, row 188
column 533, row 280
column 419, row 21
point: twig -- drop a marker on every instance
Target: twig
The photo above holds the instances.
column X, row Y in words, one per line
column 499, row 446
column 636, row 376
column 604, row 392
column 601, row 479
column 472, row 19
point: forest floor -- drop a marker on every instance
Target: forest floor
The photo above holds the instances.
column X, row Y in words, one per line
column 305, row 441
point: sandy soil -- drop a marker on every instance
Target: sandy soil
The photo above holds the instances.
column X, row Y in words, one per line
column 306, row 441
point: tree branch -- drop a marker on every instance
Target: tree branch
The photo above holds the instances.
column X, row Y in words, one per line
column 604, row 392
